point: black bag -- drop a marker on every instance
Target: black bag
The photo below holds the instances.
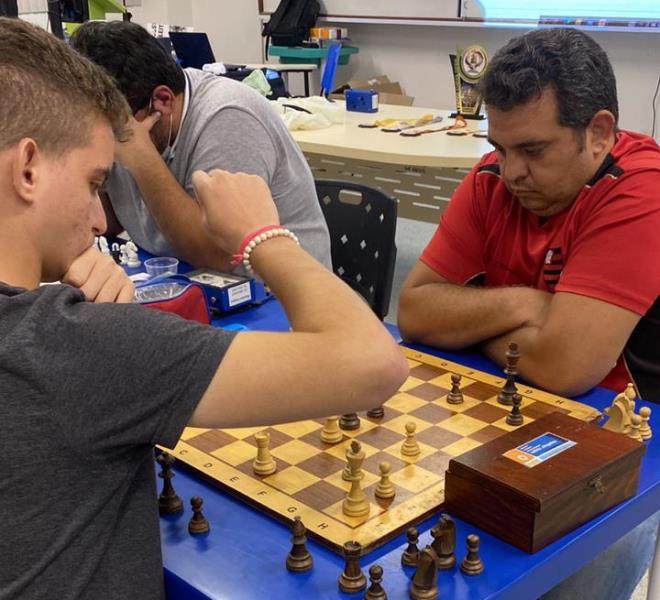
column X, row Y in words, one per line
column 289, row 25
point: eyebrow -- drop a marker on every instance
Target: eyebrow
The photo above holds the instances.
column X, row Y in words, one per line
column 521, row 145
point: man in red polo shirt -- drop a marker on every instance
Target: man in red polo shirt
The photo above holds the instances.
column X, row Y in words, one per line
column 553, row 239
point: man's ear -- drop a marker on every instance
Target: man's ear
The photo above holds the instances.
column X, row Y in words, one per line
column 26, row 169
column 600, row 131
column 162, row 100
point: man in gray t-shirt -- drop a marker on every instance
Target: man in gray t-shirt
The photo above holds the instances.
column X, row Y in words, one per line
column 196, row 121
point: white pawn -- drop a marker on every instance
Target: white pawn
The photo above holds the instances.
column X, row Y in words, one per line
column 331, row 433
column 123, row 257
column 103, row 245
column 645, row 429
column 635, row 424
column 385, row 488
column 264, row 464
column 410, row 447
column 132, row 255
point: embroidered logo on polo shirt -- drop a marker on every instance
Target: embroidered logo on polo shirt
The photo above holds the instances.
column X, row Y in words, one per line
column 554, row 263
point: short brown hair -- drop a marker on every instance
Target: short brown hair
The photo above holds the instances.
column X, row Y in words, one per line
column 50, row 93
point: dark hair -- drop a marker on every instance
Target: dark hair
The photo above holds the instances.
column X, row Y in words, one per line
column 564, row 59
column 132, row 56
column 50, row 93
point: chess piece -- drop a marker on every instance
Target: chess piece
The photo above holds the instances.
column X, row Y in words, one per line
column 103, row 245
column 356, row 503
column 424, row 584
column 299, row 559
column 515, row 416
column 645, row 428
column 264, row 464
column 115, row 252
column 635, row 426
column 349, row 422
column 352, row 579
column 455, row 396
column 472, row 564
column 376, row 413
column 619, row 415
column 132, row 259
column 375, row 591
column 385, row 488
column 331, row 434
column 198, row 523
column 630, row 395
column 410, row 447
column 411, row 553
column 444, row 542
column 169, row 502
column 512, row 357
column 123, row 257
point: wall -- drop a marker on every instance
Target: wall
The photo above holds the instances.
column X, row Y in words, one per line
column 417, row 56
column 233, row 26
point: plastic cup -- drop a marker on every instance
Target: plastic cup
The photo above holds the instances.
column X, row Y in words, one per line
column 161, row 265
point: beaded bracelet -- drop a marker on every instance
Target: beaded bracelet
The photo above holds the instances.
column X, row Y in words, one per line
column 252, row 240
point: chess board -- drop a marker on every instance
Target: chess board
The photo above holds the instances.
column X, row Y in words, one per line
column 308, row 480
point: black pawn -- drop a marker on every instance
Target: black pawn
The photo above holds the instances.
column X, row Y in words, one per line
column 515, row 416
column 472, row 564
column 375, row 591
column 349, row 422
column 512, row 357
column 411, row 553
column 455, row 396
column 444, row 542
column 424, row 584
column 198, row 523
column 168, row 501
column 352, row 579
column 299, row 559
column 376, row 413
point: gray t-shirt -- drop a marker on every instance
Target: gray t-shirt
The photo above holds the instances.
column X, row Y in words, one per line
column 86, row 390
column 230, row 126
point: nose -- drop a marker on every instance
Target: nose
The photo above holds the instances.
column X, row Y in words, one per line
column 99, row 222
column 514, row 167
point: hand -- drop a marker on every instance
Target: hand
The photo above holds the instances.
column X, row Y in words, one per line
column 233, row 205
column 99, row 278
column 138, row 142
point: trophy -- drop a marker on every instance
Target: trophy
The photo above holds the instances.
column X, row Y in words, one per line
column 468, row 65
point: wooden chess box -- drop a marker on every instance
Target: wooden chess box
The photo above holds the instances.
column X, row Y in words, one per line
column 530, row 507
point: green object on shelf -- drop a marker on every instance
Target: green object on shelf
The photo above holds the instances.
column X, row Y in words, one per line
column 297, row 55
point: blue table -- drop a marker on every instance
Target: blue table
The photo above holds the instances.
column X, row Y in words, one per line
column 243, row 556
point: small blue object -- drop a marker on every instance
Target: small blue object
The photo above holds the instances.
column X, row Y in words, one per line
column 362, row 101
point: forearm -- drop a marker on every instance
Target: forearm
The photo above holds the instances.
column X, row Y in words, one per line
column 545, row 362
column 454, row 316
column 177, row 215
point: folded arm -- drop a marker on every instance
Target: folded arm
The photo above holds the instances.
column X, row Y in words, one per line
column 574, row 349
column 435, row 312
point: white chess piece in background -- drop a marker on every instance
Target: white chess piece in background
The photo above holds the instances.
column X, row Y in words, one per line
column 132, row 255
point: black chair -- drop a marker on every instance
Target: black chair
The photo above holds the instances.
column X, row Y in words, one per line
column 362, row 224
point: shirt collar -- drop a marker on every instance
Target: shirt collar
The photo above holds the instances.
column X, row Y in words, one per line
column 186, row 103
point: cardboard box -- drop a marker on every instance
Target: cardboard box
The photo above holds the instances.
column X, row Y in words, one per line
column 389, row 92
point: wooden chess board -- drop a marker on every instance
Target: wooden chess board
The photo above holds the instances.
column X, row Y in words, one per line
column 308, row 480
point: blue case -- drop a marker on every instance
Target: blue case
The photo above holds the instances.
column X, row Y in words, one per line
column 361, row 101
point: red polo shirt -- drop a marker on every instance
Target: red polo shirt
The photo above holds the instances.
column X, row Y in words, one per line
column 606, row 245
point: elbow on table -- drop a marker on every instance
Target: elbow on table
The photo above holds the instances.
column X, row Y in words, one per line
column 563, row 380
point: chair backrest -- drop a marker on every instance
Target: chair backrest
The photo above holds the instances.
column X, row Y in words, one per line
column 362, row 224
